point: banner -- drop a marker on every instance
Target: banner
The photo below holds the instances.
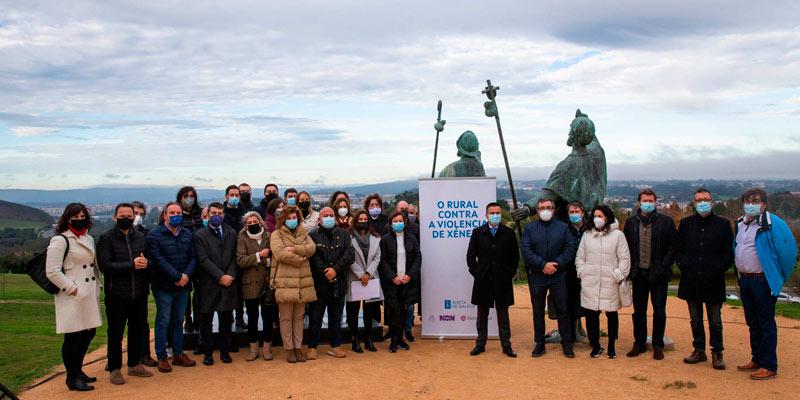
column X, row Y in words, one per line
column 449, row 209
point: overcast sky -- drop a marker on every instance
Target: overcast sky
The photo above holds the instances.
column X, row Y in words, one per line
column 335, row 92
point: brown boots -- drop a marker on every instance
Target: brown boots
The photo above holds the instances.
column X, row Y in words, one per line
column 699, row 356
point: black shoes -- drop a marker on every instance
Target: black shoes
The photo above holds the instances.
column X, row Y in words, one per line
column 87, row 378
column 393, row 346
column 409, row 336
column 568, row 352
column 636, row 351
column 208, row 359
column 478, row 349
column 597, row 352
column 539, row 350
column 79, row 385
column 368, row 344
column 507, row 350
column 403, row 345
column 226, row 358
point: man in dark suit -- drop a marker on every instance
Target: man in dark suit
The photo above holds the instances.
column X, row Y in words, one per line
column 217, row 292
column 492, row 258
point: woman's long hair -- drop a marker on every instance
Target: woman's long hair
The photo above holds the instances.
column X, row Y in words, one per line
column 71, row 210
column 195, row 209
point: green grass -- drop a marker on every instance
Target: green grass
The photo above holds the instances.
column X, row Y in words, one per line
column 20, row 224
column 29, row 346
column 788, row 310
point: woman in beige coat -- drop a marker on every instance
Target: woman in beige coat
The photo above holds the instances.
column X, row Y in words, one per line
column 71, row 265
column 253, row 257
column 290, row 275
column 603, row 262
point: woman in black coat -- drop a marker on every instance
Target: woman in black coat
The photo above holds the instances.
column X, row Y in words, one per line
column 399, row 271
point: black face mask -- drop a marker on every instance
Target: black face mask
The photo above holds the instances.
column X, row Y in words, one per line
column 246, row 197
column 253, row 229
column 304, row 205
column 79, row 224
column 269, row 197
column 124, row 223
column 362, row 226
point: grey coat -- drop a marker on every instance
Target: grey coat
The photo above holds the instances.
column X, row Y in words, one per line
column 365, row 263
column 216, row 258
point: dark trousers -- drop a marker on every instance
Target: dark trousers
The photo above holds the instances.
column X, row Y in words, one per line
column 573, row 303
column 335, row 307
column 396, row 312
column 642, row 289
column 503, row 326
column 556, row 284
column 253, row 306
column 372, row 312
column 593, row 326
column 714, row 312
column 73, row 350
column 759, row 313
column 119, row 312
column 224, row 335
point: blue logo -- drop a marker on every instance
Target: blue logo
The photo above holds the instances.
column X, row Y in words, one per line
column 448, row 304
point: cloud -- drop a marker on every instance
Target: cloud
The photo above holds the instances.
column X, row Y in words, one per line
column 23, row 131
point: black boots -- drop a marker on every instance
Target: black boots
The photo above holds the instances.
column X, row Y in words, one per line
column 356, row 345
column 79, row 384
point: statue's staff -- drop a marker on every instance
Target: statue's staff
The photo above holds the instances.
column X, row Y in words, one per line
column 439, row 126
column 491, row 111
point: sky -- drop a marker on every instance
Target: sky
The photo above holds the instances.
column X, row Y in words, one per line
column 210, row 93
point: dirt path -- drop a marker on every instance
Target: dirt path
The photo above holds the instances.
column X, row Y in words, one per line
column 444, row 370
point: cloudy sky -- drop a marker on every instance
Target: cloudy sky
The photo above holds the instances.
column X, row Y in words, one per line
column 335, row 92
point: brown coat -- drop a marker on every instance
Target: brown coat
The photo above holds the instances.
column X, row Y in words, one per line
column 291, row 271
column 252, row 272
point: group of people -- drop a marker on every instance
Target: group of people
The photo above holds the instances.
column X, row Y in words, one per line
column 279, row 260
column 589, row 266
column 282, row 260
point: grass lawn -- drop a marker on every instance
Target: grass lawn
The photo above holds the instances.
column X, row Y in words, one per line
column 788, row 310
column 20, row 224
column 29, row 346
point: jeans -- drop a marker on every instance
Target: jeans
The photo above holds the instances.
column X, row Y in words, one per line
column 73, row 350
column 593, row 326
column 556, row 284
column 335, row 307
column 119, row 312
column 759, row 313
column 224, row 335
column 503, row 326
column 170, row 309
column 714, row 312
column 410, row 318
column 253, row 306
column 642, row 289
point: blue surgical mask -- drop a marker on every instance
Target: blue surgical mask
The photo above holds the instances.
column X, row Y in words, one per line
column 205, row 222
column 703, row 207
column 575, row 218
column 494, row 219
column 291, row 201
column 328, row 222
column 215, row 221
column 291, row 224
column 374, row 212
column 398, row 226
column 752, row 210
column 175, row 220
column 648, row 207
column 233, row 202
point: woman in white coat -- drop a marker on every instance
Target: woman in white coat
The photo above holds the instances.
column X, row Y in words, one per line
column 71, row 265
column 603, row 262
column 366, row 243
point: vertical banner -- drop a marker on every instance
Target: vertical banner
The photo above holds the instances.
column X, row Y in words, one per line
column 449, row 209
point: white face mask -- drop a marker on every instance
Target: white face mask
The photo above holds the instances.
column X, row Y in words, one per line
column 343, row 212
column 546, row 215
column 599, row 223
column 137, row 220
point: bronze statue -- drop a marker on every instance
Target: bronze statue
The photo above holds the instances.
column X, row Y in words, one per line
column 470, row 163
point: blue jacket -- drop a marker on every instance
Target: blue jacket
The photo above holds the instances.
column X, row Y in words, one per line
column 543, row 242
column 173, row 256
column 776, row 248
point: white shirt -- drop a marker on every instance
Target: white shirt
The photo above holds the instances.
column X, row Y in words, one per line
column 746, row 256
column 401, row 255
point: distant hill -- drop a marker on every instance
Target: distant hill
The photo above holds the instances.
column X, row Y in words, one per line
column 18, row 215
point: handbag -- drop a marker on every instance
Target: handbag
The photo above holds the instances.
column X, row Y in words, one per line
column 625, row 293
column 269, row 288
column 36, row 268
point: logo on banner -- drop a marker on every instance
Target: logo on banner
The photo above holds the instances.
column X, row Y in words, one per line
column 448, row 304
column 447, row 317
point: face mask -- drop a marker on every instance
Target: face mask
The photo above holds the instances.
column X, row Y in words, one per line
column 362, row 226
column 398, row 226
column 546, row 215
column 752, row 210
column 648, row 207
column 291, row 201
column 703, row 207
column 374, row 212
column 412, row 217
column 215, row 221
column 278, row 212
column 253, row 229
column 291, row 224
column 205, row 221
column 575, row 218
column 494, row 219
column 343, row 211
column 328, row 222
column 246, row 196
column 304, row 205
column 187, row 202
column 137, row 220
column 269, row 197
column 233, row 202
column 175, row 220
column 599, row 223
column 79, row 224
column 124, row 223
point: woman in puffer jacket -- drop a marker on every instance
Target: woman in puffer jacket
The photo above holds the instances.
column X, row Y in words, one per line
column 603, row 262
